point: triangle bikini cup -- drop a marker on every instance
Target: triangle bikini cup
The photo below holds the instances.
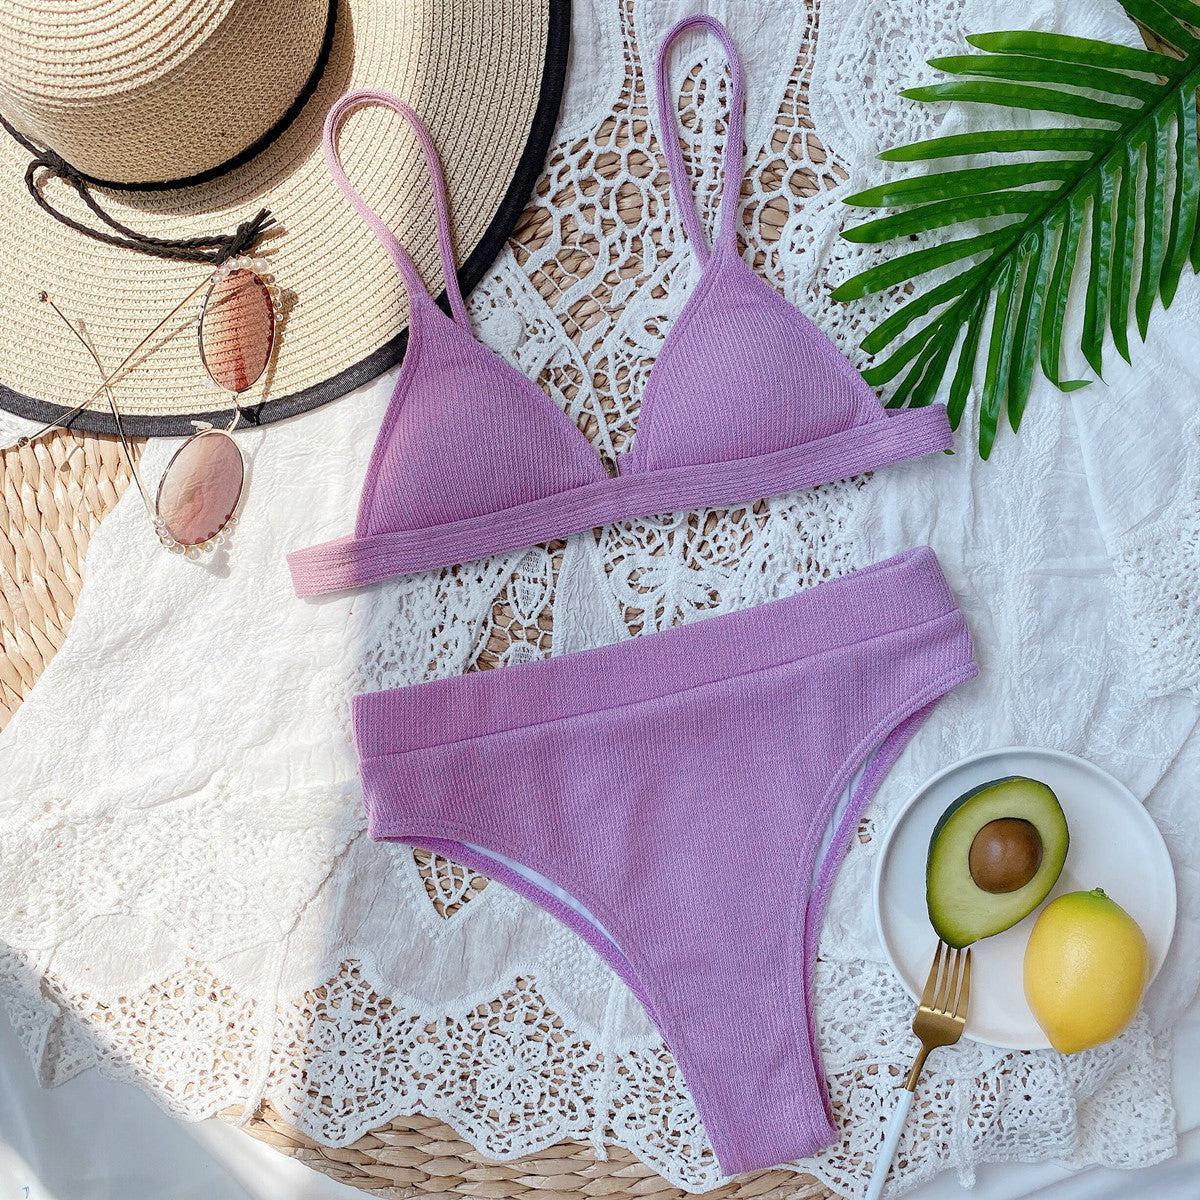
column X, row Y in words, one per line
column 748, row 398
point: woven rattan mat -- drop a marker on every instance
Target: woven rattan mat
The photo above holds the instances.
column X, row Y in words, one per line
column 54, row 493
column 421, row 1157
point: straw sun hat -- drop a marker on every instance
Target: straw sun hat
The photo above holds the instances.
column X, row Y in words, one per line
column 222, row 102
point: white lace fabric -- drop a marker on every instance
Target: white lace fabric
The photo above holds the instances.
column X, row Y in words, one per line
column 188, row 898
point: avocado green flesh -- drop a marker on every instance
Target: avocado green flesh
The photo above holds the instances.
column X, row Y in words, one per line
column 962, row 912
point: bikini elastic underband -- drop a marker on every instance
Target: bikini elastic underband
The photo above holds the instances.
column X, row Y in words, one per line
column 638, row 791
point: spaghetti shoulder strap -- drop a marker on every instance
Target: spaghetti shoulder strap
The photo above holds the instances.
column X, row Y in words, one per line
column 732, row 163
column 412, row 279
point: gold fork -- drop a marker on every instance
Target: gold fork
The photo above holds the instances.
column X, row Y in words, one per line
column 940, row 1020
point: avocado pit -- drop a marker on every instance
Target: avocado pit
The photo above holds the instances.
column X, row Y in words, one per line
column 1005, row 855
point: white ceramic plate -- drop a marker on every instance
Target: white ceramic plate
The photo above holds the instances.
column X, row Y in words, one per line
column 1114, row 845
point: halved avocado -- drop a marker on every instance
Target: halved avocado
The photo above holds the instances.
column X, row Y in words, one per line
column 993, row 858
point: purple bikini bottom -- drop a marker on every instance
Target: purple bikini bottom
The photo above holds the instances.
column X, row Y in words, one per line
column 643, row 792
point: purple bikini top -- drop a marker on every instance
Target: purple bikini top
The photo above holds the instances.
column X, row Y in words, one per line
column 748, row 399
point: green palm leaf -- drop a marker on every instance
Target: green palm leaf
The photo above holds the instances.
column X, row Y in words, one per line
column 1111, row 187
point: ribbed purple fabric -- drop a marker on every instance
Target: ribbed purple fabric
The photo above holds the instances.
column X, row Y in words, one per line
column 658, row 783
column 747, row 399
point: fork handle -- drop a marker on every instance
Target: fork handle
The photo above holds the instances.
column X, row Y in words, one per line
column 891, row 1139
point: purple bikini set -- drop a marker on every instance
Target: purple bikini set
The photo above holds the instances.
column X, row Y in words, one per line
column 635, row 790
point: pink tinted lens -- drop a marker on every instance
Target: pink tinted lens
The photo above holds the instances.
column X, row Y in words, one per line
column 201, row 488
column 237, row 330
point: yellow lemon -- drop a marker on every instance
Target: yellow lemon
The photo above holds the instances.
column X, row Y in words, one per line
column 1086, row 965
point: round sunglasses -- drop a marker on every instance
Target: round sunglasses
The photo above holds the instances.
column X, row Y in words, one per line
column 203, row 485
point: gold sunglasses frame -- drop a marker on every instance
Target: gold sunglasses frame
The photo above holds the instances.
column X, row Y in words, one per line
column 203, row 428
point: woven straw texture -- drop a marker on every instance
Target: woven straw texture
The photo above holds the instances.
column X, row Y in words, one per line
column 113, row 64
column 55, row 492
column 421, row 1157
column 473, row 70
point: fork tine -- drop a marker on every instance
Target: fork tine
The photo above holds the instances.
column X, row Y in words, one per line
column 960, row 959
column 964, row 993
column 931, row 983
column 945, row 1000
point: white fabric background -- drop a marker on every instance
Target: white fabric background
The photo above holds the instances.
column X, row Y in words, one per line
column 188, row 899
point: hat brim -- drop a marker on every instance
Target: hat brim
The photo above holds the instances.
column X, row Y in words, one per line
column 488, row 79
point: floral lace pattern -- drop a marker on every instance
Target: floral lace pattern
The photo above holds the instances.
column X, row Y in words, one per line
column 213, row 923
column 513, row 1077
